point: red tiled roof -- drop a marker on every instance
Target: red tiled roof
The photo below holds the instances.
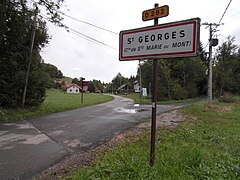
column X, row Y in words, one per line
column 72, row 85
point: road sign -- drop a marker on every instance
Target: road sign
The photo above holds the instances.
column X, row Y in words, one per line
column 177, row 39
column 144, row 92
column 158, row 12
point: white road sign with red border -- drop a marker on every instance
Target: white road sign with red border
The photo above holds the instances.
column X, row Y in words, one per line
column 178, row 39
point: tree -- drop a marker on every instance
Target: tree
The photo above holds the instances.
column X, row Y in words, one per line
column 227, row 66
column 190, row 74
column 146, row 71
column 51, row 70
column 131, row 81
column 178, row 78
column 60, row 74
column 15, row 30
column 118, row 81
column 91, row 87
column 74, row 80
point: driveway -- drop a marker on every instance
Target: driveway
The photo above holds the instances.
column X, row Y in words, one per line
column 31, row 146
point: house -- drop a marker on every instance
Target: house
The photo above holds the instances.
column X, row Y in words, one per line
column 73, row 88
column 104, row 89
column 123, row 88
column 136, row 87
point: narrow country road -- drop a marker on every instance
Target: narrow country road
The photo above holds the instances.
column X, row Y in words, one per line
column 31, row 146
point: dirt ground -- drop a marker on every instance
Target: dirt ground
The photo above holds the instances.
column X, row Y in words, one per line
column 165, row 120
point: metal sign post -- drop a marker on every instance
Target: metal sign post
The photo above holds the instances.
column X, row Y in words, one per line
column 178, row 39
column 154, row 104
column 82, row 79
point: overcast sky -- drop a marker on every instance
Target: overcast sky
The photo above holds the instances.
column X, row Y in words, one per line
column 78, row 57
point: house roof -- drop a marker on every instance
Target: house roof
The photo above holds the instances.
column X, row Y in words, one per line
column 122, row 86
column 135, row 82
column 73, row 85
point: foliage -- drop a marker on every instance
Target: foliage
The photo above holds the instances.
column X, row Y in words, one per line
column 207, row 147
column 51, row 7
column 226, row 71
column 66, row 79
column 181, row 78
column 56, row 101
column 177, row 78
column 118, row 81
column 15, row 39
column 52, row 71
column 148, row 99
column 91, row 87
column 16, row 31
column 96, row 86
column 74, row 80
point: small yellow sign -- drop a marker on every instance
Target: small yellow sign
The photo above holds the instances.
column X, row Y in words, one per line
column 159, row 12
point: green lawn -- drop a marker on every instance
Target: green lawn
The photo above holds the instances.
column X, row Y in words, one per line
column 206, row 147
column 148, row 100
column 56, row 101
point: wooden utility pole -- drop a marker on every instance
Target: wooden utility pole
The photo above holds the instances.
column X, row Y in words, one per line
column 30, row 55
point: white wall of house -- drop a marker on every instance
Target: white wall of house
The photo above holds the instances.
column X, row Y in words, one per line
column 136, row 87
column 73, row 89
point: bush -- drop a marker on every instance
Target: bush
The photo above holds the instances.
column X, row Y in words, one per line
column 179, row 93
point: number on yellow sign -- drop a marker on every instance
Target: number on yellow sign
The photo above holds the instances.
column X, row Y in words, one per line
column 155, row 13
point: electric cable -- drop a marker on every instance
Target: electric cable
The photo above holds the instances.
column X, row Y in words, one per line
column 224, row 12
column 85, row 22
column 89, row 38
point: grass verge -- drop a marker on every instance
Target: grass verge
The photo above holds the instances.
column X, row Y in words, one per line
column 56, row 101
column 148, row 100
column 207, row 146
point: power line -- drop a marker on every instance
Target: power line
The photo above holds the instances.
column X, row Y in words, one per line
column 88, row 23
column 89, row 38
column 86, row 39
column 219, row 23
column 85, row 22
column 225, row 11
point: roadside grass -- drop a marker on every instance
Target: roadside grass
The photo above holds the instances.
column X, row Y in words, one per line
column 148, row 100
column 56, row 101
column 206, row 146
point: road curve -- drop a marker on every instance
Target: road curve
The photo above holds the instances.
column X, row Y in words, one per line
column 31, row 146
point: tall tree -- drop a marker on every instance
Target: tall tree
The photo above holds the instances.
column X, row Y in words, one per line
column 16, row 25
column 178, row 78
column 227, row 65
column 51, row 70
column 75, row 80
column 118, row 81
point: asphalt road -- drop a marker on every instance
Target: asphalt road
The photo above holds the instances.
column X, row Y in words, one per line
column 31, row 146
